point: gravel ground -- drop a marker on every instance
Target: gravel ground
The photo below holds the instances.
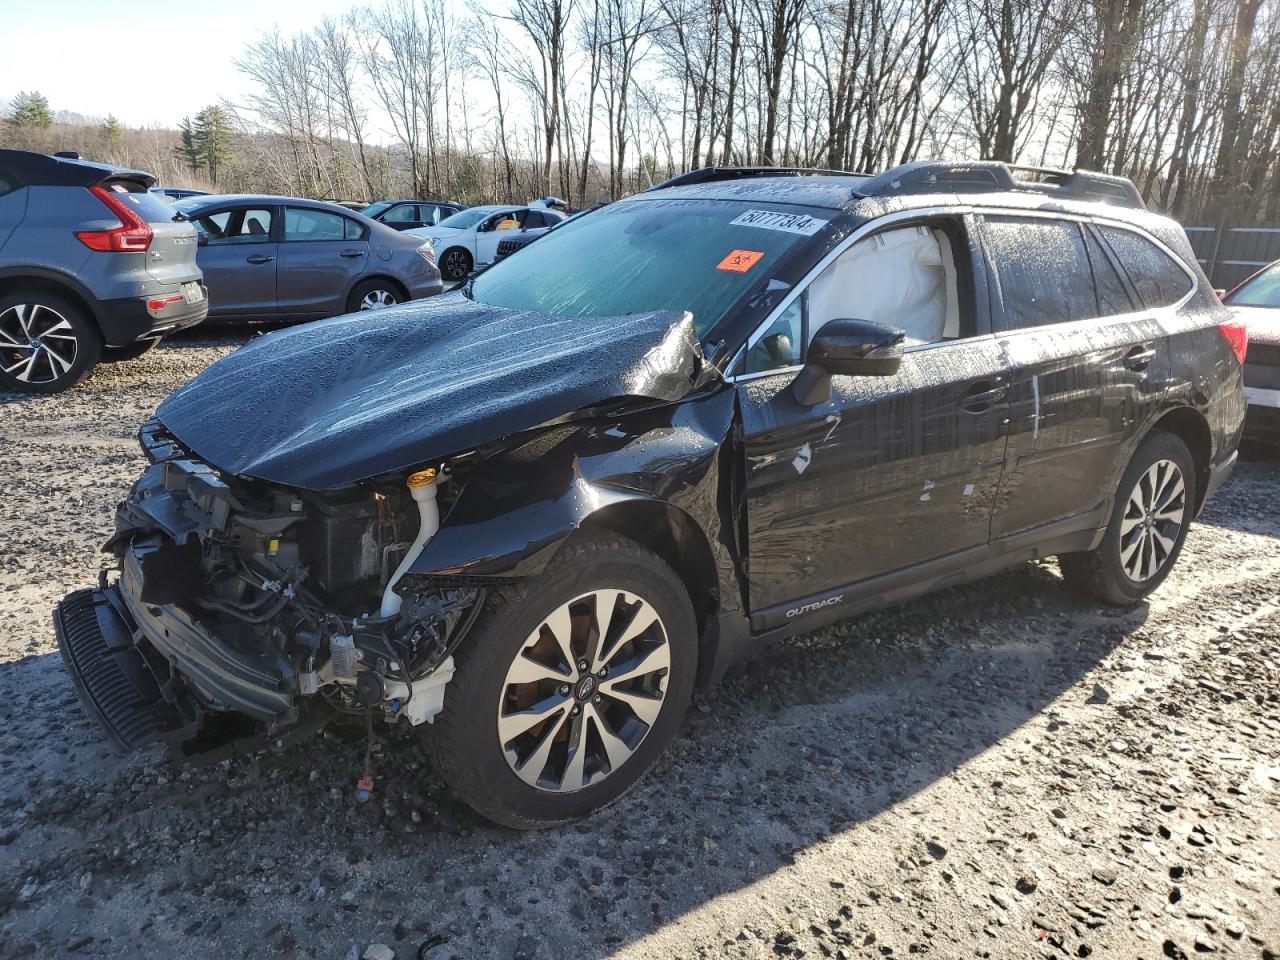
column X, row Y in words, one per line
column 1002, row 770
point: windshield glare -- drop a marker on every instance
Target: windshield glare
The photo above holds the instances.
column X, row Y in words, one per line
column 375, row 208
column 637, row 256
column 464, row 219
column 1262, row 291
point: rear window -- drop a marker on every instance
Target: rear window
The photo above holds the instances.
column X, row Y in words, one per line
column 1043, row 269
column 1157, row 277
column 703, row 256
column 152, row 207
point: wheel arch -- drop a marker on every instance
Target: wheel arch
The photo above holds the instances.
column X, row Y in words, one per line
column 671, row 534
column 53, row 282
column 385, row 278
column 1192, row 428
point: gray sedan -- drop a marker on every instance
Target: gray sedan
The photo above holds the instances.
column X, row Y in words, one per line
column 282, row 258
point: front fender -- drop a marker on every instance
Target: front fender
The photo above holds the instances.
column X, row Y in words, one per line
column 516, row 508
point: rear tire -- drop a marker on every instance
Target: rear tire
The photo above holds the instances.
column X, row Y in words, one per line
column 1150, row 517
column 374, row 295
column 47, row 343
column 455, row 264
column 600, row 728
column 130, row 351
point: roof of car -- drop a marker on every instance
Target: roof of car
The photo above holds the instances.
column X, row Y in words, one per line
column 40, row 168
column 263, row 198
column 917, row 184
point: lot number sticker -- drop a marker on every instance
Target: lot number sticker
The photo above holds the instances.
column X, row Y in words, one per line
column 740, row 261
column 786, row 222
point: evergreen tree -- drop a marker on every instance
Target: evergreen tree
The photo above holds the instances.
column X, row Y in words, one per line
column 212, row 140
column 111, row 130
column 187, row 151
column 30, row 111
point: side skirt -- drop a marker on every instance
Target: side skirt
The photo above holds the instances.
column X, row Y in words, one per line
column 733, row 637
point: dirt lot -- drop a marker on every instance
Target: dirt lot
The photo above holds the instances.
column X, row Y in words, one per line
column 1003, row 770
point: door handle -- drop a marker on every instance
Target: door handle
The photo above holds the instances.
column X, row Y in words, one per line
column 259, row 258
column 1139, row 357
column 351, row 254
column 982, row 396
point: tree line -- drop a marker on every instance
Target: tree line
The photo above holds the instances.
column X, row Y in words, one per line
column 594, row 99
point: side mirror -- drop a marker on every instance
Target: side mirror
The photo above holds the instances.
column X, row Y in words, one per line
column 202, row 239
column 856, row 348
column 1219, row 292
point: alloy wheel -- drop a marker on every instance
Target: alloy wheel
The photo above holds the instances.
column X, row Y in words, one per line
column 584, row 690
column 377, row 299
column 1152, row 520
column 37, row 343
column 455, row 265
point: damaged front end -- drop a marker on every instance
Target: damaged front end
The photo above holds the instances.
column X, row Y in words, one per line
column 242, row 596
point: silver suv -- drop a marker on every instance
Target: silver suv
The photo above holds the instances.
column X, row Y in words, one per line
column 92, row 267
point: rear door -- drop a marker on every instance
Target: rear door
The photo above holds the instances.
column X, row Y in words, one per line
column 237, row 255
column 892, row 472
column 322, row 256
column 1088, row 366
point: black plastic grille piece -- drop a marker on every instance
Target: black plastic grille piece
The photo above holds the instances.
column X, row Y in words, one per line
column 95, row 645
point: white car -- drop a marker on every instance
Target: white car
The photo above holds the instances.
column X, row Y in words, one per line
column 470, row 238
column 1256, row 303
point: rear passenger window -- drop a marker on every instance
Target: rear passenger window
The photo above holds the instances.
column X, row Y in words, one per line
column 1113, row 298
column 1043, row 271
column 1157, row 277
column 301, row 223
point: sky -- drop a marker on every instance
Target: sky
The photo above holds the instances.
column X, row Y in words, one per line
column 148, row 63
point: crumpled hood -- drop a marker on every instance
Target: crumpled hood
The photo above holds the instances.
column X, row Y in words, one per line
column 345, row 399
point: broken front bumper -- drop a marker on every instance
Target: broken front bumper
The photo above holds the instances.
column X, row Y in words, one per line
column 148, row 671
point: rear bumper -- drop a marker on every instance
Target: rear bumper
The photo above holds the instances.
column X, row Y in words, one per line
column 131, row 319
column 1262, row 421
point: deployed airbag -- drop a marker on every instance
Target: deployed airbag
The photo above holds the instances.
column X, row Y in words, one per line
column 353, row 397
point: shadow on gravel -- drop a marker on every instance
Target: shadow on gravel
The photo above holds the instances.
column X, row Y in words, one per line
column 827, row 732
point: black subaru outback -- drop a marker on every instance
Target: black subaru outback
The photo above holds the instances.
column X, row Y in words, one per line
column 534, row 514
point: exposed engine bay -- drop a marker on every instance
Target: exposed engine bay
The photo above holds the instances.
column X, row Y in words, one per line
column 264, row 597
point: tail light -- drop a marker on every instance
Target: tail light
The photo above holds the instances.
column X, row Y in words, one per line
column 1236, row 334
column 428, row 251
column 134, row 235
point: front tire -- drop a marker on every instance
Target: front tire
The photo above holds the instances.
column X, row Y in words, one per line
column 569, row 687
column 455, row 264
column 47, row 344
column 1152, row 512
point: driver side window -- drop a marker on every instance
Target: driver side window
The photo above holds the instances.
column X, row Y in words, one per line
column 903, row 277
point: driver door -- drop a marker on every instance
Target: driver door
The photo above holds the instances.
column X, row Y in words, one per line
column 492, row 232
column 892, row 472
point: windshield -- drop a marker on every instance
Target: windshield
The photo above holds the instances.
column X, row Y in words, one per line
column 637, row 256
column 373, row 209
column 466, row 218
column 1262, row 291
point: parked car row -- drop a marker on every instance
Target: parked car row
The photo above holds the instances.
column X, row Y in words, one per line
column 1256, row 303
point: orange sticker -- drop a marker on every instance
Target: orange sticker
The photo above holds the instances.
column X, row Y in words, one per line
column 740, row 261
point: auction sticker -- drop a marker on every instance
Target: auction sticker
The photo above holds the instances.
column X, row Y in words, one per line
column 740, row 261
column 786, row 222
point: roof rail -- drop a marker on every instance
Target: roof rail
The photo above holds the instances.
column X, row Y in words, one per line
column 992, row 176
column 711, row 174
